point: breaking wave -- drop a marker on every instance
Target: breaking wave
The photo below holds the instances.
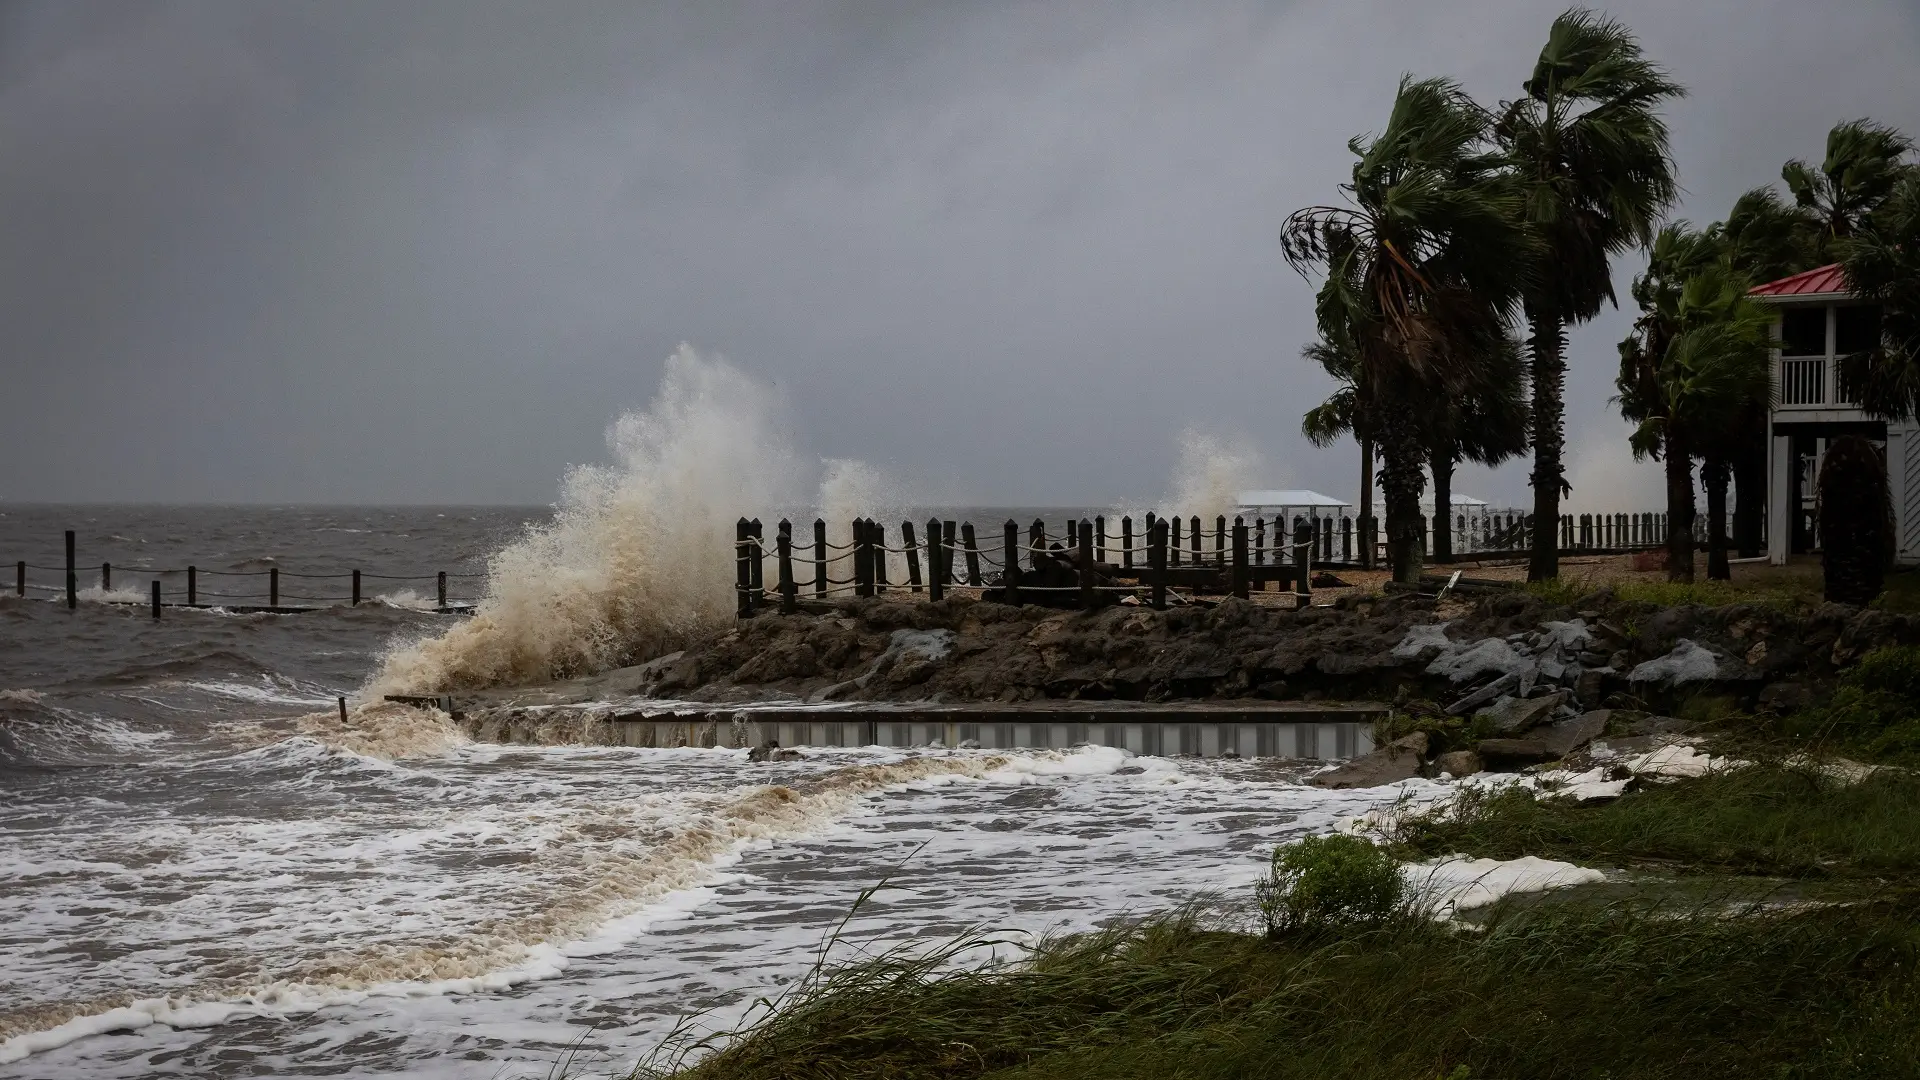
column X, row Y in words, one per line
column 638, row 559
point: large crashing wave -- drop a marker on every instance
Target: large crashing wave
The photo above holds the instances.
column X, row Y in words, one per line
column 638, row 559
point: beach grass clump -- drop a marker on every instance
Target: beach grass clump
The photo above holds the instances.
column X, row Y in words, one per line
column 1790, row 820
column 1541, row 992
column 1323, row 882
column 1874, row 711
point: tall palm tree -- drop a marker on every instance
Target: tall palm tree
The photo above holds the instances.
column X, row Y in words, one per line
column 1483, row 421
column 1881, row 261
column 1699, row 358
column 1587, row 142
column 1862, row 166
column 1343, row 413
column 1423, row 269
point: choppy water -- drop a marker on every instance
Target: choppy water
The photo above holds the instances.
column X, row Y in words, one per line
column 191, row 885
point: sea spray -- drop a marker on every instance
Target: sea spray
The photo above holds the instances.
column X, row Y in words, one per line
column 1210, row 473
column 638, row 559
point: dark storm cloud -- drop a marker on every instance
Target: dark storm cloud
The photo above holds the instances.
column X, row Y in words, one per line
column 426, row 252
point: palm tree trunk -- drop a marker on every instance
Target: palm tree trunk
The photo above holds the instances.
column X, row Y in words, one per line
column 1401, row 478
column 1716, row 472
column 1366, row 502
column 1548, row 345
column 1441, row 462
column 1679, row 507
column 1750, row 489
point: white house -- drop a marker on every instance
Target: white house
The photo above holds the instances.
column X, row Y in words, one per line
column 1819, row 322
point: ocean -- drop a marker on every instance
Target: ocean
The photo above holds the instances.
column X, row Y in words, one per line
column 196, row 881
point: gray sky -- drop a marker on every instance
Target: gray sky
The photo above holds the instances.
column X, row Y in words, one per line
column 427, row 251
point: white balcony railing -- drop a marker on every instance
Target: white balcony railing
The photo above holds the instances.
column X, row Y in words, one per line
column 1812, row 382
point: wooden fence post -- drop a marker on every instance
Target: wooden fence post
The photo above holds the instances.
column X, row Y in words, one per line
column 758, row 587
column 913, row 556
column 440, row 589
column 936, row 566
column 156, row 599
column 1157, row 562
column 1087, row 595
column 1220, row 541
column 356, row 586
column 820, row 558
column 946, row 552
column 1010, row 561
column 1196, row 540
column 1302, row 567
column 742, row 576
column 1174, row 543
column 1126, row 542
column 789, row 590
column 273, row 587
column 1259, row 541
column 1100, row 537
column 1346, row 539
column 1036, row 543
column 1241, row 574
column 72, row 581
column 973, row 553
column 878, row 533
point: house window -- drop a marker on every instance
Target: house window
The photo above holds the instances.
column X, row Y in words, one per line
column 1803, row 331
column 1856, row 329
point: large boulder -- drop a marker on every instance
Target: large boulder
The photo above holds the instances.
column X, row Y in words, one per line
column 1458, row 763
column 1516, row 716
column 1567, row 736
column 1399, row 760
column 1505, row 755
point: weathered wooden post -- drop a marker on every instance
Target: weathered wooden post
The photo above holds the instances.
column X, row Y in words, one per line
column 343, row 709
column 1073, row 535
column 1199, row 545
column 1346, row 539
column 1174, row 544
column 1157, row 562
column 1241, row 574
column 859, row 542
column 789, row 590
column 20, row 578
column 193, row 586
column 273, row 587
column 1010, row 559
column 936, row 570
column 1302, row 566
column 356, row 586
column 946, row 551
column 1220, row 541
column 758, row 587
column 1100, row 537
column 1325, row 525
column 913, row 556
column 742, row 575
column 440, row 589
column 156, row 599
column 1088, row 598
column 73, row 597
column 819, row 558
column 1036, row 543
column 1126, row 542
column 106, row 577
column 1259, row 541
column 878, row 534
column 973, row 553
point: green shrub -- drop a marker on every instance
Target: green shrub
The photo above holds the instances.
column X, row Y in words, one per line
column 1875, row 711
column 1323, row 882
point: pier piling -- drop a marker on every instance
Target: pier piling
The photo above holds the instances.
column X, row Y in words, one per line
column 156, row 599
column 193, row 586
column 789, row 589
column 73, row 592
column 1011, row 558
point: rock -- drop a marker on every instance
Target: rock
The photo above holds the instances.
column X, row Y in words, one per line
column 1483, row 695
column 1399, row 760
column 1688, row 662
column 1786, row 697
column 1324, row 580
column 1516, row 716
column 1567, row 736
column 1509, row 754
column 766, row 751
column 1589, row 686
column 1458, row 763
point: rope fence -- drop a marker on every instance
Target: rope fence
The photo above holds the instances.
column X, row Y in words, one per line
column 272, row 599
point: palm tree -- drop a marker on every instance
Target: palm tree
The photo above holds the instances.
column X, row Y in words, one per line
column 1881, row 261
column 1862, row 167
column 1343, row 414
column 1483, row 421
column 1699, row 358
column 1422, row 271
column 1587, row 142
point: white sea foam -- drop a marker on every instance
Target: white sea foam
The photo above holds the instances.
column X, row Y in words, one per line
column 1455, row 883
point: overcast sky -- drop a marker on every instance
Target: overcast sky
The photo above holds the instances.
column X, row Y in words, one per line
column 427, row 252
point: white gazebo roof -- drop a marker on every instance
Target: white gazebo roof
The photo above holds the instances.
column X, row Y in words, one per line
column 1290, row 498
column 1456, row 499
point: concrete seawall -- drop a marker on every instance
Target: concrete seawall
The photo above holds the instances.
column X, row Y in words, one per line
column 1207, row 730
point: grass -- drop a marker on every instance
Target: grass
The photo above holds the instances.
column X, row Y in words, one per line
column 1873, row 713
column 1560, row 992
column 1765, row 819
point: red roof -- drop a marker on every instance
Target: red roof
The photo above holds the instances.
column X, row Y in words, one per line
column 1818, row 281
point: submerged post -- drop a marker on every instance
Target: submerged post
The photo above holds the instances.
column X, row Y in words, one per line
column 1010, row 559
column 156, row 599
column 20, row 578
column 936, row 565
column 72, row 582
column 908, row 542
column 819, row 557
column 106, row 577
column 343, row 709
column 273, row 587
column 1126, row 542
column 973, row 553
column 356, row 586
column 742, row 577
column 1241, row 573
column 1087, row 596
column 1157, row 562
column 789, row 592
column 440, row 589
column 193, row 586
